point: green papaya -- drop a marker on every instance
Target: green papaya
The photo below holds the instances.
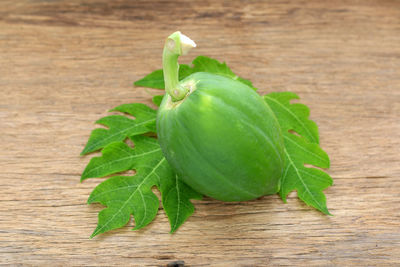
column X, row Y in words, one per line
column 219, row 136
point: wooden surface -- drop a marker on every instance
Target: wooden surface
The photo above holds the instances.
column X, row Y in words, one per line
column 63, row 64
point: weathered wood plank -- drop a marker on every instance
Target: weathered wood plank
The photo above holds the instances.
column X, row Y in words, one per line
column 63, row 64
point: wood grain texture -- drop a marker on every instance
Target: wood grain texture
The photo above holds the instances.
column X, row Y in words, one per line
column 63, row 64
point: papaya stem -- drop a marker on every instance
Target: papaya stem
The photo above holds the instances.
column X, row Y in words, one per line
column 176, row 44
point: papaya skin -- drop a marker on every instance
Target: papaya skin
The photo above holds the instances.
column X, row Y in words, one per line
column 221, row 138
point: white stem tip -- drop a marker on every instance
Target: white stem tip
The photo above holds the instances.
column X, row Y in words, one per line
column 186, row 44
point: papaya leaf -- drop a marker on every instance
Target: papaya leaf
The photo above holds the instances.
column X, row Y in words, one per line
column 200, row 64
column 155, row 79
column 176, row 196
column 157, row 99
column 300, row 149
column 120, row 127
column 206, row 64
column 293, row 116
column 118, row 157
column 132, row 195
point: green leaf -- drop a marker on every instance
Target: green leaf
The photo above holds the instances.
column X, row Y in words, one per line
column 200, row 64
column 293, row 116
column 132, row 195
column 118, row 157
column 300, row 149
column 176, row 197
column 121, row 127
column 157, row 99
column 206, row 64
column 156, row 78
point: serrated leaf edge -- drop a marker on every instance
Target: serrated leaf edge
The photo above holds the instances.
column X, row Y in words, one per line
column 121, row 159
column 89, row 149
column 98, row 231
column 320, row 208
column 291, row 113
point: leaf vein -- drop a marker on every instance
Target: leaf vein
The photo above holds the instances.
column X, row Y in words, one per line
column 293, row 115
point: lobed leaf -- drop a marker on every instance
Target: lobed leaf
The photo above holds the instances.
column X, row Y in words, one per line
column 155, row 79
column 206, row 64
column 118, row 157
column 300, row 150
column 132, row 195
column 126, row 195
column 176, row 197
column 293, row 116
column 200, row 64
column 120, row 127
column 157, row 99
column 309, row 182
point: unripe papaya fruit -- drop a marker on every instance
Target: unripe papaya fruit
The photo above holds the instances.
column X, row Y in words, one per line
column 221, row 138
